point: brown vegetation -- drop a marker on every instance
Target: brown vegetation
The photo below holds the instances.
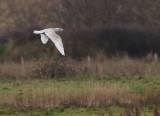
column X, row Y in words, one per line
column 127, row 12
column 19, row 14
column 110, row 38
column 16, row 14
column 80, row 43
column 90, row 50
column 96, row 95
column 100, row 65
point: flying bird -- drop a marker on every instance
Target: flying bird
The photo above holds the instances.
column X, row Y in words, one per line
column 50, row 33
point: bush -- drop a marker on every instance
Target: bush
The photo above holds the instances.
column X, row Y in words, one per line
column 111, row 40
column 79, row 43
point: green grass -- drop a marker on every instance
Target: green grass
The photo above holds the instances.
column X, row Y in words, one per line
column 62, row 111
column 3, row 49
column 57, row 111
column 136, row 84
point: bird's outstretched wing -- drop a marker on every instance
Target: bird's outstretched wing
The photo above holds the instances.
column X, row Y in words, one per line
column 56, row 39
column 44, row 38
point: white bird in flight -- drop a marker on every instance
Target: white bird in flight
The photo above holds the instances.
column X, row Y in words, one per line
column 50, row 33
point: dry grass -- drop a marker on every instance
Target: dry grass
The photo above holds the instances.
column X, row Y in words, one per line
column 100, row 65
column 14, row 69
column 96, row 94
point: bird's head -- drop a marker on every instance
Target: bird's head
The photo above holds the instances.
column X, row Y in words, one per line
column 58, row 29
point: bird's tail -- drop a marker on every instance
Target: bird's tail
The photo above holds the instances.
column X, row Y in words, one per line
column 37, row 32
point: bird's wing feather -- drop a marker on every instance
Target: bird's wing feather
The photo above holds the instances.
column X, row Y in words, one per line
column 56, row 39
column 44, row 38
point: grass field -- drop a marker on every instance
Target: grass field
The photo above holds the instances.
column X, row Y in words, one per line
column 111, row 65
column 85, row 95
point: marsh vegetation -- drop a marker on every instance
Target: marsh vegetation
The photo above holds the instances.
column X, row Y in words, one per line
column 111, row 67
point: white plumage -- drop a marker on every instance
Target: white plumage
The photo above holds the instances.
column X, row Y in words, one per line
column 50, row 33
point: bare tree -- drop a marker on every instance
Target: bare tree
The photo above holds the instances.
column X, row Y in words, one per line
column 21, row 14
column 104, row 12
